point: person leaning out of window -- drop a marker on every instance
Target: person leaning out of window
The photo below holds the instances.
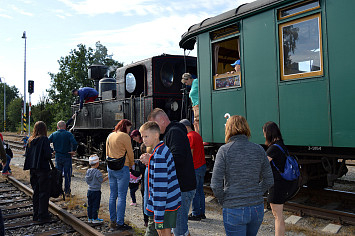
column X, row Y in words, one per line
column 241, row 175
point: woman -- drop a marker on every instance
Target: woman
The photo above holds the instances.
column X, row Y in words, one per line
column 118, row 145
column 38, row 154
column 241, row 175
column 282, row 189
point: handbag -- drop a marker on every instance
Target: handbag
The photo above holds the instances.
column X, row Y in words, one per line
column 56, row 180
column 115, row 163
column 291, row 170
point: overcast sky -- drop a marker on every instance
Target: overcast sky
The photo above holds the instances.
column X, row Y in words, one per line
column 131, row 30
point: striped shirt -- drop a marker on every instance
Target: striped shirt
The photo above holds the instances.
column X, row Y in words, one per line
column 163, row 187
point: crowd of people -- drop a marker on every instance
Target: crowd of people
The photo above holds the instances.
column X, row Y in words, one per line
column 170, row 167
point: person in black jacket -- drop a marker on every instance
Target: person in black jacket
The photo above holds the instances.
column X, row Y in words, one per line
column 175, row 137
column 37, row 156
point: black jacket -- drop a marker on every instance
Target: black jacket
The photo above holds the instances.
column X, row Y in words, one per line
column 38, row 153
column 175, row 137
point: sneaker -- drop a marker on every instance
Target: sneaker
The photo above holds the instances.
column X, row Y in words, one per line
column 194, row 218
column 97, row 221
column 203, row 216
column 6, row 173
column 133, row 204
column 89, row 220
column 123, row 227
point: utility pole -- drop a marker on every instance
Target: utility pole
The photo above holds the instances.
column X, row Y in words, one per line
column 24, row 88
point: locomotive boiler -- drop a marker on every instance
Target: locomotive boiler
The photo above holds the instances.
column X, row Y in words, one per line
column 137, row 89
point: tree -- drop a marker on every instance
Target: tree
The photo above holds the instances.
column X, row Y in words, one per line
column 11, row 94
column 42, row 112
column 72, row 74
column 14, row 115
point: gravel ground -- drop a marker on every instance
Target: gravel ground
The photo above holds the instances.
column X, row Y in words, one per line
column 213, row 225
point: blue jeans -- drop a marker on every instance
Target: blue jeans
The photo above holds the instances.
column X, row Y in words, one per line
column 64, row 164
column 94, row 198
column 243, row 220
column 119, row 180
column 198, row 203
column 183, row 213
column 7, row 165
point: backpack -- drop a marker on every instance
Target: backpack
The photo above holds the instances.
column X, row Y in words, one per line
column 8, row 150
column 56, row 180
column 291, row 170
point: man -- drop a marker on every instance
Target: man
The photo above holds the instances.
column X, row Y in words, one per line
column 236, row 66
column 188, row 80
column 64, row 146
column 175, row 137
column 86, row 95
column 198, row 155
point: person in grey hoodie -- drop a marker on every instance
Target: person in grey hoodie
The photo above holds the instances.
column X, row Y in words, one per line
column 241, row 175
column 94, row 179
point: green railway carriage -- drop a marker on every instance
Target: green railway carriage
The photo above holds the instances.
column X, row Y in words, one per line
column 296, row 69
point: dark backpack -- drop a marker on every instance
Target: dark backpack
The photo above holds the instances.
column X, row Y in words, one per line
column 56, row 179
column 8, row 150
column 291, row 170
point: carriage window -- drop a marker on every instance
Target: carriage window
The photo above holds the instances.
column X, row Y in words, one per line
column 225, row 54
column 301, row 48
column 298, row 8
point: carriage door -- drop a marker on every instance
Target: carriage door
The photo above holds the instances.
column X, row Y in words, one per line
column 228, row 90
column 303, row 90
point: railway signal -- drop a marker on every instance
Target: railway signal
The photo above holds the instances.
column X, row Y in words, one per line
column 30, row 91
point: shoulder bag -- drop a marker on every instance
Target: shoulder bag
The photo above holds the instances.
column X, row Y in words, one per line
column 115, row 163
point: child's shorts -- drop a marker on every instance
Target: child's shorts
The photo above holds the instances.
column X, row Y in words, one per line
column 169, row 220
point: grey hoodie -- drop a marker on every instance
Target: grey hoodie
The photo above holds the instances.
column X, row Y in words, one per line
column 241, row 173
column 94, row 179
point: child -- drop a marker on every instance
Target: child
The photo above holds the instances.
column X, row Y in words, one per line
column 9, row 155
column 164, row 195
column 94, row 179
column 134, row 179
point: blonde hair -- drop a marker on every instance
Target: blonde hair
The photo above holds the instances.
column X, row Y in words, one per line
column 150, row 125
column 236, row 125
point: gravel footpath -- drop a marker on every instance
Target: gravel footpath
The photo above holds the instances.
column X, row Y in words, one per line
column 213, row 225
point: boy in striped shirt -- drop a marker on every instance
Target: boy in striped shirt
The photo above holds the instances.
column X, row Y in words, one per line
column 164, row 195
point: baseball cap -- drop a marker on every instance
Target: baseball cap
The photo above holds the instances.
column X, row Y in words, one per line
column 93, row 159
column 185, row 122
column 237, row 62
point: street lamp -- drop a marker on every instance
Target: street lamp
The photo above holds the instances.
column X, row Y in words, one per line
column 4, row 102
column 24, row 87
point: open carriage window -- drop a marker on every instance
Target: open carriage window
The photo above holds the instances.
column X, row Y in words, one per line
column 226, row 63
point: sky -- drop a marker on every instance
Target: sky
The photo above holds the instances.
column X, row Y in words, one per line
column 131, row 30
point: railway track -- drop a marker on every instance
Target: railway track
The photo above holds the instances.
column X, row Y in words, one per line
column 338, row 206
column 16, row 206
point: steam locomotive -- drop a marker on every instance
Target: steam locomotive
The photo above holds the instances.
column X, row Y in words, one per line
column 137, row 89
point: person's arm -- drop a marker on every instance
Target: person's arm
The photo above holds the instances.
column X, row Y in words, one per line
column 219, row 170
column 47, row 150
column 2, row 152
column 267, row 178
column 73, row 142
column 129, row 149
column 82, row 98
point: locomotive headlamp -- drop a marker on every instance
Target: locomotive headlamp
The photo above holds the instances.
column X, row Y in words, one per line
column 174, row 106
